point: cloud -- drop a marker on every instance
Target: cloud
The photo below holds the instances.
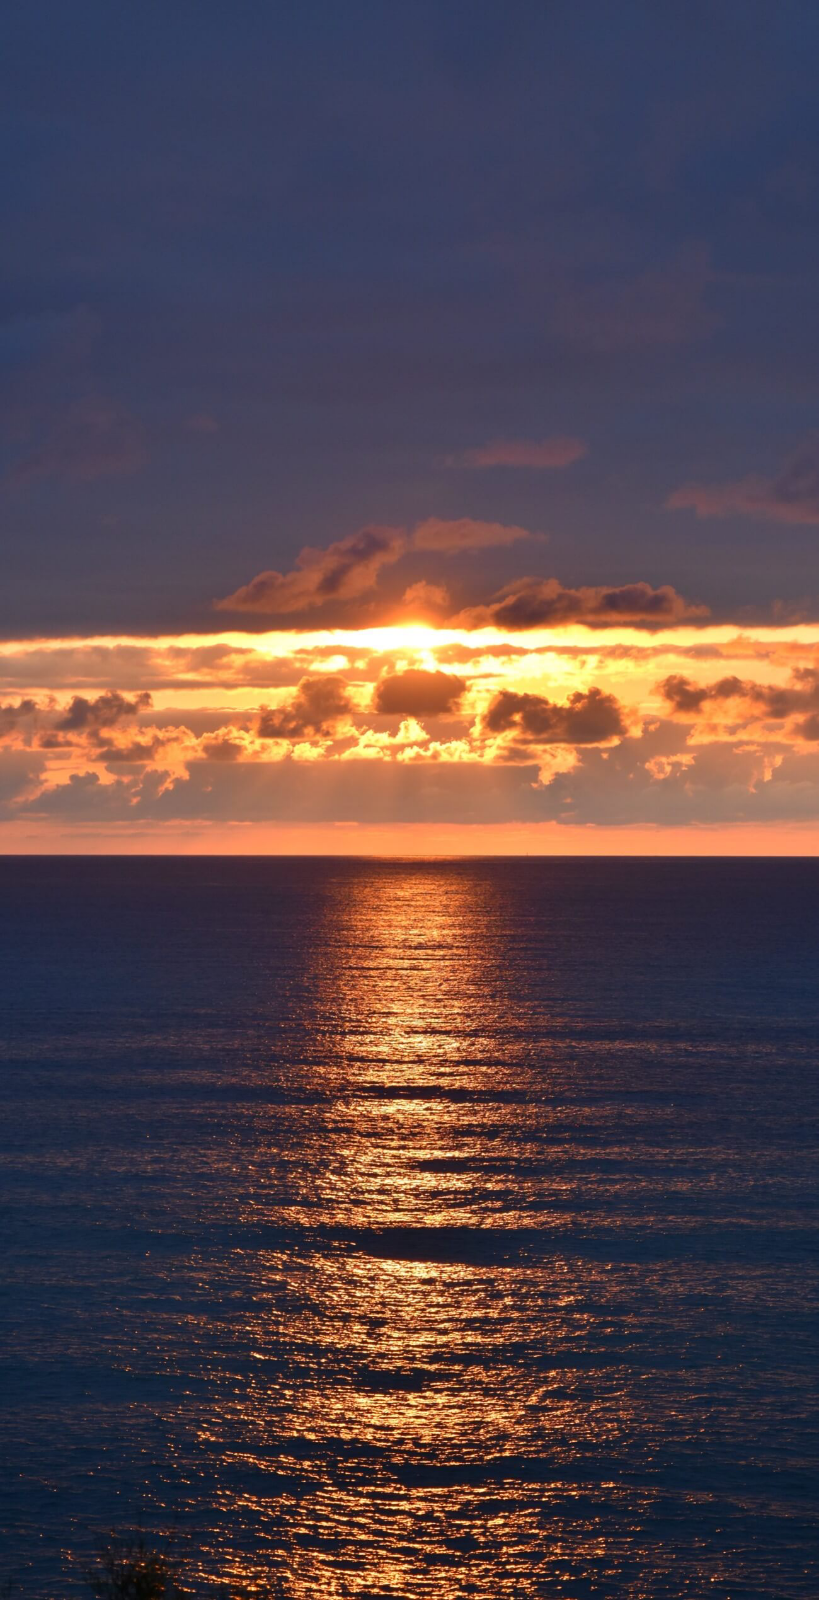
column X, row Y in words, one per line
column 343, row 571
column 374, row 744
column 651, row 779
column 201, row 422
column 317, row 708
column 416, row 693
column 424, row 597
column 351, row 567
column 84, row 716
column 545, row 602
column 588, row 717
column 558, row 451
column 356, row 790
column 656, row 309
column 791, row 496
column 157, row 664
column 95, row 438
column 465, row 533
column 687, row 699
column 224, row 748
column 137, row 751
column 727, row 748
column 11, row 717
column 20, row 771
column 747, row 700
column 655, row 778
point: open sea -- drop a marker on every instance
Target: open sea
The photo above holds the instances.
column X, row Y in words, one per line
column 439, row 1228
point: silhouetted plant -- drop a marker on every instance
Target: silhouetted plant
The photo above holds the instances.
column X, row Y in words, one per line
column 128, row 1569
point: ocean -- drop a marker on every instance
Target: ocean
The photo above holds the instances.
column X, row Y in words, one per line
column 413, row 1228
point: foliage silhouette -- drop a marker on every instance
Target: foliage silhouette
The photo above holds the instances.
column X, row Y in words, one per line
column 131, row 1569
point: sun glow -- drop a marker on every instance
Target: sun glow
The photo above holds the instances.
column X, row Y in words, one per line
column 408, row 636
column 407, row 726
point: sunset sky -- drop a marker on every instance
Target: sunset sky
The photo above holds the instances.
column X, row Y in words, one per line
column 410, row 428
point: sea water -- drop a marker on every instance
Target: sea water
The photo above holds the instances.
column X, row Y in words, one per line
column 409, row 1229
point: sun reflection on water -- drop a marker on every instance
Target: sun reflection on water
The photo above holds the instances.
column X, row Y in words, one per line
column 396, row 1409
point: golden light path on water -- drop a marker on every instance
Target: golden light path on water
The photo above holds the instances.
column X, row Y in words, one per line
column 406, row 1393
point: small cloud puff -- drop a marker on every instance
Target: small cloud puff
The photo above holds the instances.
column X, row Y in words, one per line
column 589, row 717
column 558, row 451
column 465, row 533
column 317, row 709
column 416, row 693
column 85, row 716
column 424, row 597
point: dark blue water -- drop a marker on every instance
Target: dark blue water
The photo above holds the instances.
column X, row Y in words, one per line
column 417, row 1229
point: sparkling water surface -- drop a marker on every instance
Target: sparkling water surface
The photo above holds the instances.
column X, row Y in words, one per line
column 417, row 1229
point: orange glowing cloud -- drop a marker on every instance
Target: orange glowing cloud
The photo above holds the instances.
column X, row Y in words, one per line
column 343, row 571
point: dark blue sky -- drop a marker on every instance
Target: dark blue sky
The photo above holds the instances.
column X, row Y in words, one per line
column 268, row 267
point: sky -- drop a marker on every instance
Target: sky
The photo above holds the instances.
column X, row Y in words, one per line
column 409, row 427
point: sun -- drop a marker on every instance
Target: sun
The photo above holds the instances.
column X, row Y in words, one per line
column 405, row 636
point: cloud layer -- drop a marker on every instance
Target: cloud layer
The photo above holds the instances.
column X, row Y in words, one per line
column 616, row 725
column 350, row 569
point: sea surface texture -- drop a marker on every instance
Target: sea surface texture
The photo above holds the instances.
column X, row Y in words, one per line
column 413, row 1229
